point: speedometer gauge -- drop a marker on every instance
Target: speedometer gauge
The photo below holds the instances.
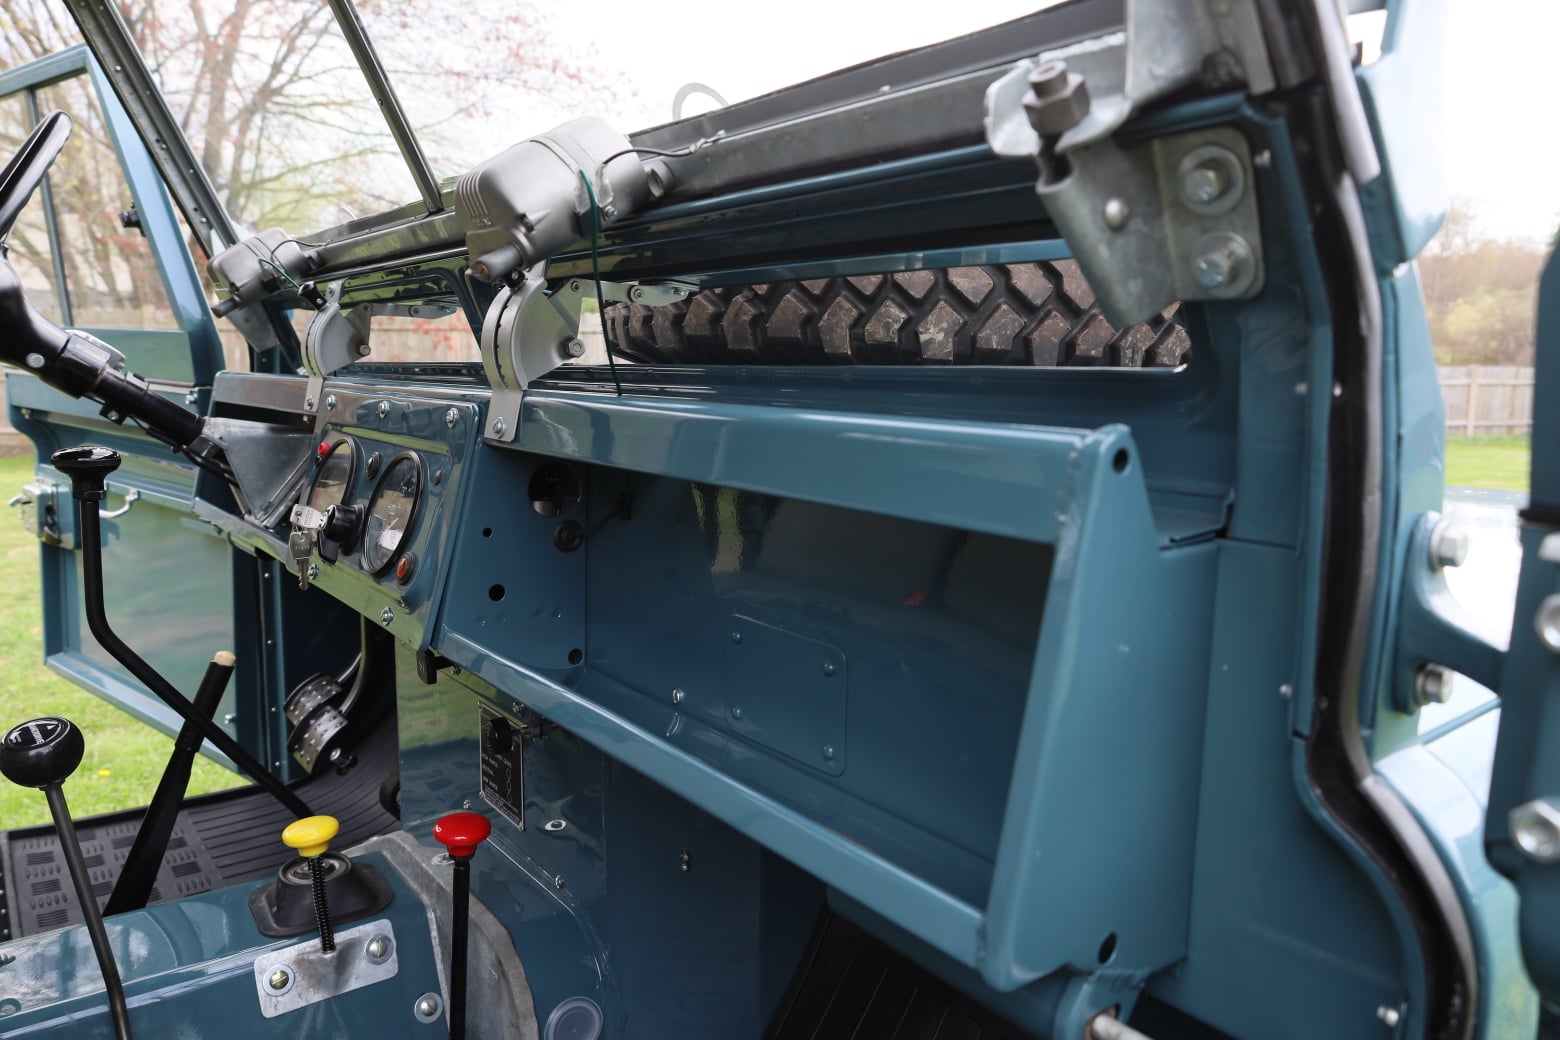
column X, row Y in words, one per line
column 334, row 477
column 391, row 512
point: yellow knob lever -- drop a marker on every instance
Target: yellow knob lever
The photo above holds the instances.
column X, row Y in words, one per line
column 310, row 835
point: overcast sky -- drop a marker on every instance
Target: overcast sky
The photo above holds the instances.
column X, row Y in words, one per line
column 1502, row 80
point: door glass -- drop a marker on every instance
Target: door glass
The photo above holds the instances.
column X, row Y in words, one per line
column 28, row 245
column 111, row 277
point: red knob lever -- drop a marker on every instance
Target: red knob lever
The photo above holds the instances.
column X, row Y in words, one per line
column 462, row 832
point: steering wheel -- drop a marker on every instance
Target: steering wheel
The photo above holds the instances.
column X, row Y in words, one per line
column 25, row 171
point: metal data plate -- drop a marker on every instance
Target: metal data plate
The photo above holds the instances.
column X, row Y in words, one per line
column 312, row 976
column 503, row 764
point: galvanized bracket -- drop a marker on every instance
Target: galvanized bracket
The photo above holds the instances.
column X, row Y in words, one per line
column 297, row 976
column 530, row 330
column 1172, row 219
column 335, row 339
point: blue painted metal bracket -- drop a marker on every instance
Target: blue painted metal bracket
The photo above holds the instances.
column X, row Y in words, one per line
column 1060, row 894
column 1434, row 628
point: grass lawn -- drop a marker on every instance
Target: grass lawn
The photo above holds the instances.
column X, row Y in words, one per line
column 125, row 757
column 1498, row 461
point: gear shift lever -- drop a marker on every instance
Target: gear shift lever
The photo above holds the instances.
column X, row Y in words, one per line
column 43, row 753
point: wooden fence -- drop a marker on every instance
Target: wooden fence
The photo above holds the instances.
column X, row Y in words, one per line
column 1484, row 399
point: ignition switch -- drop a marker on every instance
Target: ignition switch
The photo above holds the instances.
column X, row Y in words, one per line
column 343, row 525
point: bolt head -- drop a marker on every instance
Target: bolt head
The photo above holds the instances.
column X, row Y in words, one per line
column 279, row 979
column 451, row 417
column 1433, row 685
column 387, row 615
column 558, row 881
column 308, row 402
column 1547, row 622
column 427, row 1007
column 383, row 408
column 1390, row 1016
column 330, row 400
column 1213, row 269
column 378, row 948
column 678, row 696
column 574, row 348
column 1535, row 829
column 498, row 427
column 1203, row 184
column 828, row 752
column 1223, row 264
column 314, row 571
column 1448, row 545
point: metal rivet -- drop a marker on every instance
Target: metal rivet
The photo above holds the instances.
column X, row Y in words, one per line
column 1285, row 690
column 1548, row 621
column 378, row 948
column 1390, row 1016
column 736, row 713
column 1117, row 212
column 557, row 881
column 280, row 980
column 330, row 401
column 685, row 861
column 828, row 668
column 451, row 417
column 736, row 637
column 678, row 696
column 427, row 1007
column 34, row 360
column 828, row 752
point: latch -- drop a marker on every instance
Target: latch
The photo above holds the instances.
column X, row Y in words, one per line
column 1174, row 218
column 529, row 331
column 39, row 509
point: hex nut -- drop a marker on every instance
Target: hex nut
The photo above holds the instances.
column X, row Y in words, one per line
column 1058, row 99
column 1535, row 830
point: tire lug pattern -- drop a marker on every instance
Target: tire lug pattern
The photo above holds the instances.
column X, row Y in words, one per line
column 1038, row 314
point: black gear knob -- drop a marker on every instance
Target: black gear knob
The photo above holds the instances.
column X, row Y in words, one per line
column 41, row 753
column 88, row 467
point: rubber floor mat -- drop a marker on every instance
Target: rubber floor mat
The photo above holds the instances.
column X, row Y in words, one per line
column 852, row 986
column 220, row 839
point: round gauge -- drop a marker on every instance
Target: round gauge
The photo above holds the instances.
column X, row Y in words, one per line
column 391, row 512
column 333, row 479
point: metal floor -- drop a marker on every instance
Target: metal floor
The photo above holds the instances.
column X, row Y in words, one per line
column 220, row 840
